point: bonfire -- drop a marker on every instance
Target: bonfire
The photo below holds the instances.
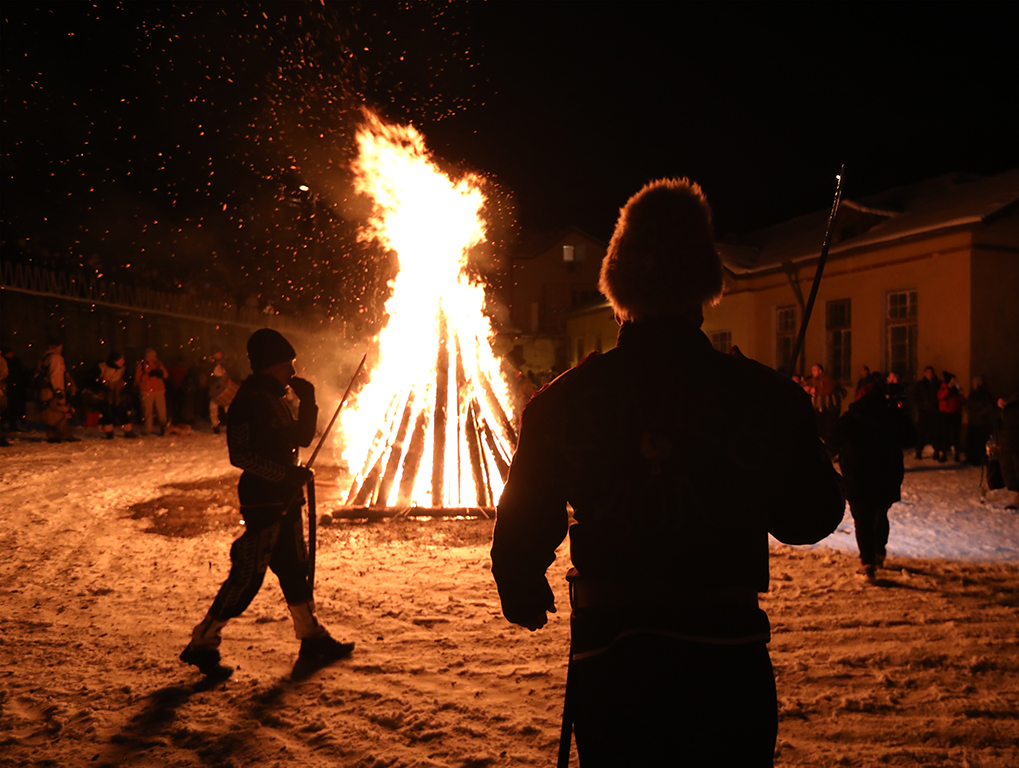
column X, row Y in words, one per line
column 433, row 430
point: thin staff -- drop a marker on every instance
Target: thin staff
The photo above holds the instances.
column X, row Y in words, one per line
column 820, row 270
column 312, row 512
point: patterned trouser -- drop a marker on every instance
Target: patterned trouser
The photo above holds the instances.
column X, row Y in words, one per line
column 271, row 540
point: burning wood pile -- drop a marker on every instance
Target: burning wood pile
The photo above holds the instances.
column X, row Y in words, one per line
column 432, row 433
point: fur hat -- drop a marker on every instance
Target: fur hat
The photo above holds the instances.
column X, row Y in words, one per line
column 662, row 258
column 267, row 347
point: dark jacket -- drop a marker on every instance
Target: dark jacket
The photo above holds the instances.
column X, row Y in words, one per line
column 678, row 460
column 263, row 437
column 868, row 440
column 981, row 406
column 925, row 395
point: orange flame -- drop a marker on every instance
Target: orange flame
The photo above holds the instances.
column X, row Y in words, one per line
column 430, row 429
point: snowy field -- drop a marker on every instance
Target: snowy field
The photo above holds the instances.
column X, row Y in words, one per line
column 113, row 550
column 941, row 516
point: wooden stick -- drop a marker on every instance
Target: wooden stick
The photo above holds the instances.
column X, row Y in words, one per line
column 496, row 406
column 493, row 446
column 461, row 385
column 372, row 457
column 412, row 460
column 396, row 452
column 336, row 413
column 802, row 335
column 441, row 400
column 364, row 494
column 474, row 449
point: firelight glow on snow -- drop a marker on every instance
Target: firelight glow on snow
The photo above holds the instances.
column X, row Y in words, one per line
column 430, row 429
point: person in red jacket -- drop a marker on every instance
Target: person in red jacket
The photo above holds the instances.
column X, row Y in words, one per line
column 677, row 460
column 950, row 402
column 826, row 397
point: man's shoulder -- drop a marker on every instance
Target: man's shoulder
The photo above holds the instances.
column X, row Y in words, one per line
column 762, row 379
column 719, row 368
column 249, row 394
column 566, row 387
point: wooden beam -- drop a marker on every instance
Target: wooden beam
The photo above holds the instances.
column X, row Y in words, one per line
column 364, row 494
column 441, row 400
column 412, row 460
column 396, row 453
column 474, row 449
column 493, row 446
column 493, row 402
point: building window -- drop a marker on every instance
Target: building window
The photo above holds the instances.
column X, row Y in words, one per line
column 785, row 337
column 586, row 297
column 900, row 320
column 722, row 341
column 840, row 337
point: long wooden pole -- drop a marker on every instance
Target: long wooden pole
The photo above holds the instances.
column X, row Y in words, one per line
column 441, row 403
column 817, row 275
column 336, row 413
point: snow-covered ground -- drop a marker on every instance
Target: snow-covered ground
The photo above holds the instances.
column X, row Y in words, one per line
column 942, row 515
column 113, row 550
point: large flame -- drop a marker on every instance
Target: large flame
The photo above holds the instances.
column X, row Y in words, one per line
column 430, row 429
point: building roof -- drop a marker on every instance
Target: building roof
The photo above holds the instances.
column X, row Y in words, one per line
column 535, row 244
column 943, row 203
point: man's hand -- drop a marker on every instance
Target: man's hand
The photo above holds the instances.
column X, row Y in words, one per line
column 304, row 390
column 536, row 620
column 529, row 613
column 298, row 476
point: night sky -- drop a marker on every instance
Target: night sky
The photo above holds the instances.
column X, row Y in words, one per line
column 174, row 137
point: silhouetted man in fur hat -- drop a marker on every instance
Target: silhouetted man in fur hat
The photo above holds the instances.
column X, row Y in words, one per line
column 678, row 460
column 263, row 437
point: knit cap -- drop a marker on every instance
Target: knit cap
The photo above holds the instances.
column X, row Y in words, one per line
column 267, row 347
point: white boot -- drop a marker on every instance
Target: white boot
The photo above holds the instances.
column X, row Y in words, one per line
column 207, row 633
column 203, row 650
column 306, row 623
column 317, row 645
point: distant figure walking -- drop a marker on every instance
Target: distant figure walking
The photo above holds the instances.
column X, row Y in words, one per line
column 263, row 438
column 868, row 440
column 670, row 660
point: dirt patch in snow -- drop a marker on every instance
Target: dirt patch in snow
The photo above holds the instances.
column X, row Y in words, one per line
column 189, row 509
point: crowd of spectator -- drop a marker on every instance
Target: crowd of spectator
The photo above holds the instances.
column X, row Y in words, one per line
column 935, row 406
column 113, row 395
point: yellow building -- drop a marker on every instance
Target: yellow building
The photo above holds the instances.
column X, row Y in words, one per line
column 926, row 274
